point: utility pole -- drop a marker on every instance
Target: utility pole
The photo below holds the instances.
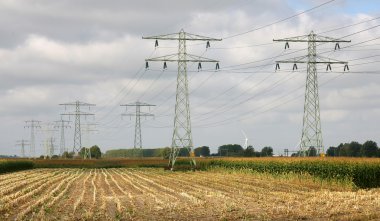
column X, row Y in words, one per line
column 138, row 115
column 182, row 136
column 62, row 124
column 311, row 129
column 87, row 130
column 32, row 124
column 77, row 113
column 22, row 143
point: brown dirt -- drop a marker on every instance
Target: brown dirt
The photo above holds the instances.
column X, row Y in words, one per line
column 155, row 194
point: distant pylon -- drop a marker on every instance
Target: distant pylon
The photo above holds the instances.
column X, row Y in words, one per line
column 182, row 136
column 78, row 113
column 138, row 115
column 62, row 124
column 87, row 129
column 22, row 143
column 48, row 130
column 311, row 129
column 32, row 124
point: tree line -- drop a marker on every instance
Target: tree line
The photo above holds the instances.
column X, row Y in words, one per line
column 355, row 149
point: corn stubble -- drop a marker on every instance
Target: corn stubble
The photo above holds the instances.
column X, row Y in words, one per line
column 155, row 194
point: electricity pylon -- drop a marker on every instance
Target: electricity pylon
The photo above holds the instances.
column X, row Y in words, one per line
column 62, row 124
column 311, row 129
column 78, row 113
column 182, row 136
column 138, row 115
column 87, row 130
column 32, row 124
column 22, row 143
column 48, row 130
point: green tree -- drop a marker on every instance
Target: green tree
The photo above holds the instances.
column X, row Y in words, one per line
column 267, row 152
column 332, row 151
column 355, row 149
column 202, row 151
column 82, row 151
column 312, row 152
column 231, row 150
column 369, row 149
column 95, row 152
column 68, row 155
column 249, row 152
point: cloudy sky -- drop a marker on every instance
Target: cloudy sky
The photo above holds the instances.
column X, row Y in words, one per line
column 54, row 52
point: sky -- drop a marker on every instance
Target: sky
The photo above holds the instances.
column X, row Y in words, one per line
column 54, row 52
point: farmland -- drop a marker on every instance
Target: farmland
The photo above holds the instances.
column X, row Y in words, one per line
column 152, row 193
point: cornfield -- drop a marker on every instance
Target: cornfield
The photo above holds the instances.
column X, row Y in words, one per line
column 363, row 173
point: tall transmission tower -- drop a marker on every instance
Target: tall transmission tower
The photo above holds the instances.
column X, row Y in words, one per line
column 77, row 113
column 182, row 136
column 62, row 124
column 311, row 129
column 138, row 115
column 22, row 143
column 32, row 124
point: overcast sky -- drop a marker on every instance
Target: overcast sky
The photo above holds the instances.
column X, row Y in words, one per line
column 54, row 52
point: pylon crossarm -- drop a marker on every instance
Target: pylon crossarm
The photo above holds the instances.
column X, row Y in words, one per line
column 305, row 38
column 174, row 58
column 78, row 103
column 320, row 38
column 187, row 36
column 79, row 113
column 293, row 39
column 138, row 104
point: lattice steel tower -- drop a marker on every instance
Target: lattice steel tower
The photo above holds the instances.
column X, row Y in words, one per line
column 22, row 143
column 87, row 130
column 32, row 124
column 138, row 115
column 62, row 124
column 182, row 136
column 48, row 130
column 78, row 113
column 311, row 129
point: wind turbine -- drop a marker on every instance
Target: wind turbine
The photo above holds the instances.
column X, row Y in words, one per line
column 246, row 140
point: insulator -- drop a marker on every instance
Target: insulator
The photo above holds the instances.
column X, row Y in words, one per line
column 199, row 66
column 346, row 67
column 208, row 44
column 146, row 65
column 165, row 66
column 277, row 66
column 156, row 44
column 217, row 66
column 337, row 46
column 295, row 67
column 286, row 45
column 328, row 67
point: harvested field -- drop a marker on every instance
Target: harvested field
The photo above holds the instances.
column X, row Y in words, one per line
column 155, row 194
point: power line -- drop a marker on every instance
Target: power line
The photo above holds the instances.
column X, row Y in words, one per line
column 279, row 21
